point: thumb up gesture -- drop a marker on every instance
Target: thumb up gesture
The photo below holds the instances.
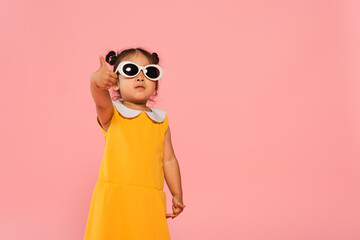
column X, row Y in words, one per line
column 104, row 78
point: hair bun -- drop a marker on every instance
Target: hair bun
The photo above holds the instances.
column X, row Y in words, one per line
column 156, row 56
column 111, row 57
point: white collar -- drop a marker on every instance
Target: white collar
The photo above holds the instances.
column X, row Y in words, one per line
column 158, row 115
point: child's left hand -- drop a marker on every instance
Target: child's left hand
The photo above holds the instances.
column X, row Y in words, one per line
column 177, row 207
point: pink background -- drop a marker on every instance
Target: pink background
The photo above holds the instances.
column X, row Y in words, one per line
column 262, row 98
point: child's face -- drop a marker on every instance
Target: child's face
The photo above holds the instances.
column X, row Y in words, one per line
column 127, row 86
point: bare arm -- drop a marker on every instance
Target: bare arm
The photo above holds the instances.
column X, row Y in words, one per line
column 100, row 82
column 103, row 103
column 171, row 167
column 172, row 176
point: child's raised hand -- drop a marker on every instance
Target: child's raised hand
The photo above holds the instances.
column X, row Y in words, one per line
column 177, row 207
column 104, row 78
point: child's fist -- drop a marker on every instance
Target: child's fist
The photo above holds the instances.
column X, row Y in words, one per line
column 103, row 77
column 177, row 207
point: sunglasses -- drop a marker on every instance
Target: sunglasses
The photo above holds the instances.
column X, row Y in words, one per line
column 130, row 69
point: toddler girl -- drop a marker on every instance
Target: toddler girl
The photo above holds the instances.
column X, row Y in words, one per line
column 128, row 200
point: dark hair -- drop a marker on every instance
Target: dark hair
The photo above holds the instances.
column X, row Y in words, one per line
column 114, row 59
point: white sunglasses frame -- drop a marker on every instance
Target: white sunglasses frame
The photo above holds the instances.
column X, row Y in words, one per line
column 141, row 68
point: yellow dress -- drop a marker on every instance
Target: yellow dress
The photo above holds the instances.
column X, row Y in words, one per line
column 128, row 201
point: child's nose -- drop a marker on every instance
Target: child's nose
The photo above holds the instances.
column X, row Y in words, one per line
column 141, row 76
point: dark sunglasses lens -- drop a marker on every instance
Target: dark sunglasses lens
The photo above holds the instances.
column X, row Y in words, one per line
column 130, row 69
column 152, row 72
